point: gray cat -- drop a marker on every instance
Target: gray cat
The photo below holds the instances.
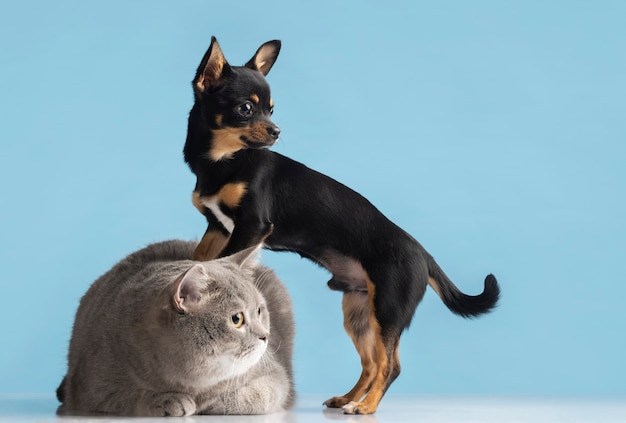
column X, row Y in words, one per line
column 161, row 335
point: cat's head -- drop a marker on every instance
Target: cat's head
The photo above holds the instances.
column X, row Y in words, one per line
column 217, row 322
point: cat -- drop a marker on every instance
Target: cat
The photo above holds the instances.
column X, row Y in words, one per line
column 161, row 335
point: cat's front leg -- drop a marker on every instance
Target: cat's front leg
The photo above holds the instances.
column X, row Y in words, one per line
column 165, row 404
column 263, row 394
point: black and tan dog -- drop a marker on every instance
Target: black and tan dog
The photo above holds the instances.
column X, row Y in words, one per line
column 245, row 190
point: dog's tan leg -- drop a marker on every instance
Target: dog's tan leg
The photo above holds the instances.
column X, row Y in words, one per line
column 388, row 368
column 387, row 363
column 356, row 312
column 213, row 241
column 212, row 244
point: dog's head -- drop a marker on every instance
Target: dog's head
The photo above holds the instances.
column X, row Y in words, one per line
column 235, row 101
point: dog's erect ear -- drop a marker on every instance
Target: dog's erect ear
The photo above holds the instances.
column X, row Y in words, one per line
column 265, row 56
column 212, row 69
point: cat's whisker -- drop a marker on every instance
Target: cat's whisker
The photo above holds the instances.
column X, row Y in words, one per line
column 276, row 349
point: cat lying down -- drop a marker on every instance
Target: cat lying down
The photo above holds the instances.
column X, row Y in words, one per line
column 161, row 335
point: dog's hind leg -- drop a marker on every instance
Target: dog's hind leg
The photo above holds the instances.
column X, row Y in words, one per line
column 385, row 327
column 387, row 365
column 356, row 312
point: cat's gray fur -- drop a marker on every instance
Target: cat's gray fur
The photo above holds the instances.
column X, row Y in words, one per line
column 154, row 337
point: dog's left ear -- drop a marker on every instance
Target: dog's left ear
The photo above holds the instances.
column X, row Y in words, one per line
column 265, row 56
column 213, row 68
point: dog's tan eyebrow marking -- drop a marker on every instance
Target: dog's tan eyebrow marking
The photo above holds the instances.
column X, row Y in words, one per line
column 254, row 98
column 271, row 102
column 218, row 119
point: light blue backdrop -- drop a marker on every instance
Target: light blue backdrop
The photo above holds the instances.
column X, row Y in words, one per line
column 492, row 131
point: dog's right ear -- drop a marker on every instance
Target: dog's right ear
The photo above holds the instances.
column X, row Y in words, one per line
column 212, row 69
column 265, row 56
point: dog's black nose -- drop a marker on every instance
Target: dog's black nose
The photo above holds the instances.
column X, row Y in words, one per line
column 274, row 131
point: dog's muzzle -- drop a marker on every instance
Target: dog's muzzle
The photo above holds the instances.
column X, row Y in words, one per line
column 274, row 132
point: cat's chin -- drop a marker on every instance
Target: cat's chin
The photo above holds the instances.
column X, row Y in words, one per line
column 229, row 366
column 257, row 353
column 243, row 363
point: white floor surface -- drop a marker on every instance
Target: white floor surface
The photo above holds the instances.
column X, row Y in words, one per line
column 393, row 409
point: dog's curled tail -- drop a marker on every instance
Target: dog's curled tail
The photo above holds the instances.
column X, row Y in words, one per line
column 459, row 303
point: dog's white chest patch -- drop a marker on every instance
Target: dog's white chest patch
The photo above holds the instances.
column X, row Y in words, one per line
column 213, row 204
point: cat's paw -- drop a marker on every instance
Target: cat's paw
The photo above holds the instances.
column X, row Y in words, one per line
column 173, row 405
column 336, row 402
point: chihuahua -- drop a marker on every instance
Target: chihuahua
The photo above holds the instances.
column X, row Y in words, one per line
column 246, row 191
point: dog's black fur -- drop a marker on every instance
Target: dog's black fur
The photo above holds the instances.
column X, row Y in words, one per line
column 246, row 190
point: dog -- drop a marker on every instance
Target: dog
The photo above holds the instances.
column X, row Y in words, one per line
column 246, row 191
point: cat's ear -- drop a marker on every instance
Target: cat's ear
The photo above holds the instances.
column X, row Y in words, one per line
column 246, row 256
column 188, row 288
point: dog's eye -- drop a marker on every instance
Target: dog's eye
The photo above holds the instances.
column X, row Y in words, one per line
column 272, row 110
column 245, row 110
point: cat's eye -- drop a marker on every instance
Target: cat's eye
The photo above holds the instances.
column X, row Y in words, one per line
column 245, row 110
column 259, row 311
column 237, row 320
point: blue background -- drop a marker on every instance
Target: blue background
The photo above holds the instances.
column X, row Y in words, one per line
column 494, row 132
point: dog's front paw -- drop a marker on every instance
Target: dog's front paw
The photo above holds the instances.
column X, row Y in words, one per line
column 336, row 402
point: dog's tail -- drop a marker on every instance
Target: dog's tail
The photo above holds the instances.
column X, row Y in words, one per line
column 458, row 302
